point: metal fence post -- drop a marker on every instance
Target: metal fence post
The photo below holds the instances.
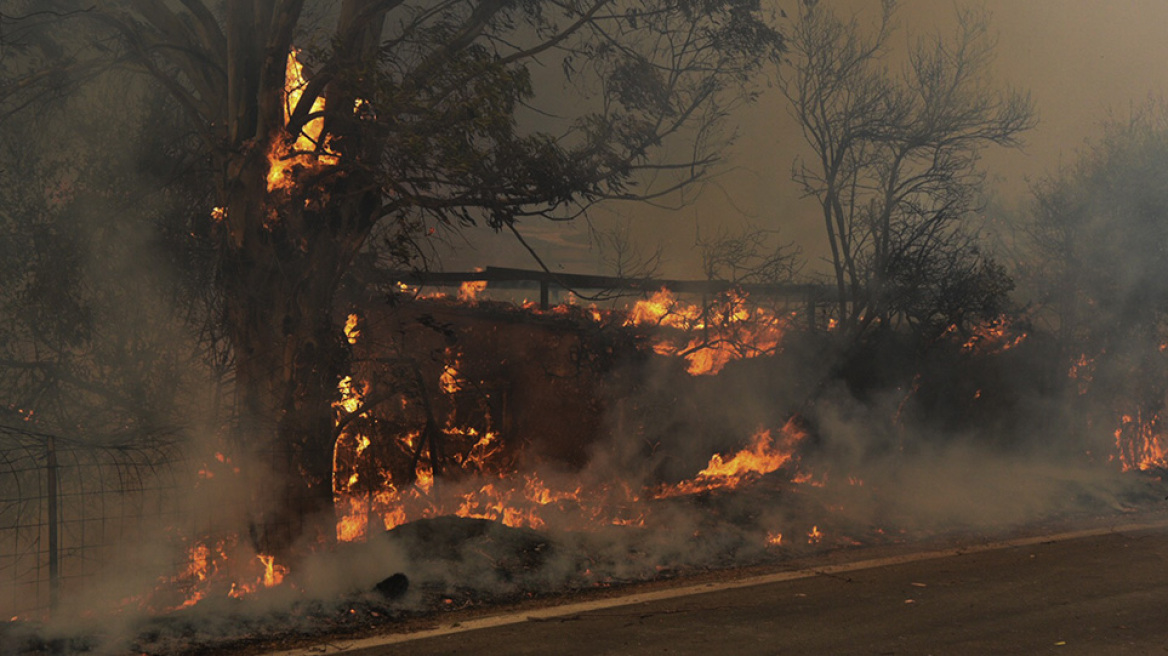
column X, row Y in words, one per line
column 54, row 538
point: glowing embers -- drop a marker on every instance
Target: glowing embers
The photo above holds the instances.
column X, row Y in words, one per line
column 999, row 335
column 712, row 335
column 304, row 150
column 1082, row 371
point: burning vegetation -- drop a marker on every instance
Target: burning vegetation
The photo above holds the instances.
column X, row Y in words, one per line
column 461, row 408
column 387, row 449
column 486, row 449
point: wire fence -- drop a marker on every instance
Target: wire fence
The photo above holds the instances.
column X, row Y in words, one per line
column 65, row 507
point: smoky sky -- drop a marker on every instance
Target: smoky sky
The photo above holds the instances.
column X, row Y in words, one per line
column 1081, row 60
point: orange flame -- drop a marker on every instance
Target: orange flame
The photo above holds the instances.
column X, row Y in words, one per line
column 306, row 150
column 352, row 331
column 469, row 291
column 815, row 536
column 1141, row 445
column 489, row 485
column 273, row 573
column 728, row 329
column 214, row 567
column 449, row 380
column 1083, row 372
column 760, row 458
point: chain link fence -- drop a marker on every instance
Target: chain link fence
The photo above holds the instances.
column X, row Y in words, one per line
column 66, row 505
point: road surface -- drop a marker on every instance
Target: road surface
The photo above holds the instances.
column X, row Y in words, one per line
column 1103, row 591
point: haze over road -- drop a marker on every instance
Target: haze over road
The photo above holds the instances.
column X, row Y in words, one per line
column 1095, row 594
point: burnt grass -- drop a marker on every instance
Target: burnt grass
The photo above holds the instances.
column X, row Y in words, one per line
column 462, row 566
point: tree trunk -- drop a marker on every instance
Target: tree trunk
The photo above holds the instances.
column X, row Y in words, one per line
column 284, row 255
column 283, row 252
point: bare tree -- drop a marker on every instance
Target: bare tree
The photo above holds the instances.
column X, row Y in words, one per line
column 895, row 162
column 405, row 114
column 749, row 256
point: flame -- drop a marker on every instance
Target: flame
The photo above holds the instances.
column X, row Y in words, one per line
column 351, row 504
column 663, row 309
column 1141, row 444
column 353, row 524
column 469, row 291
column 1083, row 372
column 760, row 458
column 273, row 573
column 814, row 536
column 727, row 329
column 449, row 380
column 484, row 479
column 217, row 567
column 197, row 571
column 994, row 337
column 483, row 451
column 352, row 395
column 306, row 150
column 352, row 331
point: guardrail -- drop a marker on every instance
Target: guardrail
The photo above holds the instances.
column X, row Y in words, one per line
column 505, row 277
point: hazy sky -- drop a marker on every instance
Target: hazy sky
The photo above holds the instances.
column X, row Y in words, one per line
column 1079, row 59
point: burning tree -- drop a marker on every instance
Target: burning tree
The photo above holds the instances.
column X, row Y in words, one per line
column 327, row 142
column 894, row 165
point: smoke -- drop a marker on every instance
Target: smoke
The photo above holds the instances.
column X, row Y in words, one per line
column 915, row 446
column 927, row 483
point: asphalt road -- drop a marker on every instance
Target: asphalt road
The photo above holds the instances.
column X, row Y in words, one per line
column 1094, row 594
